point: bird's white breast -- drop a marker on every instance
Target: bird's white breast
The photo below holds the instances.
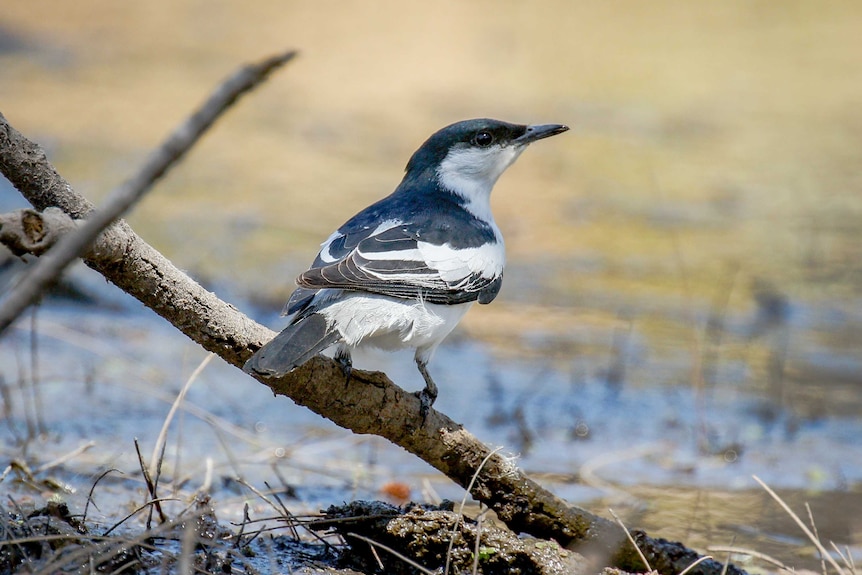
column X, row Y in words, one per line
column 389, row 323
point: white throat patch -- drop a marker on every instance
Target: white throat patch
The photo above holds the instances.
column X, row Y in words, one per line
column 472, row 172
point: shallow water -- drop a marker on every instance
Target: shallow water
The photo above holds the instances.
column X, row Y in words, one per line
column 682, row 304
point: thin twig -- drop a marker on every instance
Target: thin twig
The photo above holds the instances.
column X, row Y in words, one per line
column 245, row 520
column 289, row 517
column 138, row 510
column 92, row 489
column 148, row 480
column 49, row 267
column 155, row 487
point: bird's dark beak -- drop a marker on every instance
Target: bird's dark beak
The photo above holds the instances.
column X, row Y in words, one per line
column 541, row 131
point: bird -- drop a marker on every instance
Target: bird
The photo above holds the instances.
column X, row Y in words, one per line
column 403, row 272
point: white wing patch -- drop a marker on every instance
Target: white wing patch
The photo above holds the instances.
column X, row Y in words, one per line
column 456, row 265
column 452, row 265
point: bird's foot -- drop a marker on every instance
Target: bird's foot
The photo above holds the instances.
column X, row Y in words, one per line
column 426, row 400
column 427, row 395
column 346, row 363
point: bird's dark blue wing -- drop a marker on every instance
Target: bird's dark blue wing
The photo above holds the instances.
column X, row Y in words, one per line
column 397, row 262
column 409, row 247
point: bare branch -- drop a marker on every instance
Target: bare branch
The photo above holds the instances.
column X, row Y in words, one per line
column 49, row 268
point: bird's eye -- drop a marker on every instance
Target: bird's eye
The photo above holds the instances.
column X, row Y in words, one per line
column 483, row 139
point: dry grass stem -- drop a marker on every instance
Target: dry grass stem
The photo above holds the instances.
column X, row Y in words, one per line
column 848, row 558
column 727, row 560
column 189, row 541
column 376, row 556
column 93, row 489
column 208, row 477
column 795, row 517
column 694, row 564
column 479, row 519
column 138, row 510
column 151, row 486
column 64, row 458
column 163, row 433
column 461, row 508
column 631, row 539
column 407, row 560
column 816, row 534
column 729, row 549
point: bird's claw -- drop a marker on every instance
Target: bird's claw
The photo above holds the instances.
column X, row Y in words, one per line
column 426, row 400
column 346, row 367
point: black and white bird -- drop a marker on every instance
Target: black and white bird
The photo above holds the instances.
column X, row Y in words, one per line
column 403, row 272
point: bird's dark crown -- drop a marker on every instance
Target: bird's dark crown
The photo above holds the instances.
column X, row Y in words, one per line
column 466, row 133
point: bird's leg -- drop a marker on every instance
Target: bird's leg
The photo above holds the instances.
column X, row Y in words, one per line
column 429, row 394
column 342, row 356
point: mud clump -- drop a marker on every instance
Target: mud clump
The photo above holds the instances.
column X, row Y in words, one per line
column 434, row 536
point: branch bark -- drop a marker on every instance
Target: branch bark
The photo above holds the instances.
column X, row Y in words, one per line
column 369, row 403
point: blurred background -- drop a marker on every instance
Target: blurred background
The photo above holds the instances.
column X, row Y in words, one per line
column 683, row 300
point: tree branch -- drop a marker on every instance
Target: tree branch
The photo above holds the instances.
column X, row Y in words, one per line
column 370, row 403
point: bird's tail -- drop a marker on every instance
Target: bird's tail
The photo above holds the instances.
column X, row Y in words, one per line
column 295, row 345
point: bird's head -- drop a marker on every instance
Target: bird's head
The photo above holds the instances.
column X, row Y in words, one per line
column 468, row 157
